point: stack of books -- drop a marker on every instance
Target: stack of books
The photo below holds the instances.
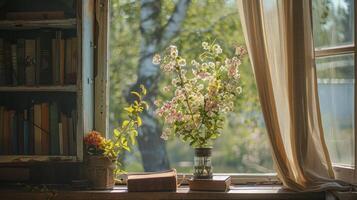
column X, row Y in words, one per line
column 48, row 59
column 217, row 183
column 41, row 129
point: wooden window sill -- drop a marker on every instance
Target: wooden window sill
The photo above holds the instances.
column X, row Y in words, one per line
column 120, row 192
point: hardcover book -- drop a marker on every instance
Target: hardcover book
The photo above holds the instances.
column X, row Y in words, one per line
column 153, row 181
column 217, row 183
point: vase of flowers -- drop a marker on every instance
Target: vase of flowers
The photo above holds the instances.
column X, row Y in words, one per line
column 102, row 155
column 203, row 92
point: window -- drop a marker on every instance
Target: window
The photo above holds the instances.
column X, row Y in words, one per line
column 334, row 40
column 243, row 147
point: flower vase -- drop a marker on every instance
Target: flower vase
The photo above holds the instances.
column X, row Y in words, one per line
column 100, row 172
column 202, row 163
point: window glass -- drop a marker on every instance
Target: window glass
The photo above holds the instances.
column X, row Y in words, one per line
column 335, row 76
column 243, row 146
column 333, row 23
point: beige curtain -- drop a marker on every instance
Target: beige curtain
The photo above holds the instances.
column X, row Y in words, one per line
column 279, row 40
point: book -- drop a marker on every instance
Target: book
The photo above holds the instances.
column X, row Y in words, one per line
column 20, row 132
column 30, row 61
column 2, row 63
column 2, row 130
column 7, row 61
column 6, row 128
column 60, row 134
column 26, row 133
column 37, row 129
column 31, row 120
column 45, row 68
column 54, row 129
column 217, row 183
column 45, row 129
column 21, row 61
column 65, row 137
column 13, row 132
column 68, row 60
column 61, row 61
column 14, row 66
column 153, row 181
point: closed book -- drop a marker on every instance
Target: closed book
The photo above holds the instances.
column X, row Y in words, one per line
column 153, row 181
column 8, row 65
column 68, row 60
column 30, row 62
column 13, row 132
column 54, row 132
column 37, row 129
column 71, row 146
column 14, row 66
column 21, row 61
column 55, row 62
column 65, row 137
column 217, row 183
column 60, row 131
column 45, row 62
column 72, row 76
column 61, row 60
column 26, row 133
column 31, row 120
column 20, row 131
column 7, row 135
column 45, row 129
column 2, row 130
column 2, row 63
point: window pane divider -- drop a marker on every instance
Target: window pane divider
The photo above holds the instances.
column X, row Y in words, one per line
column 331, row 51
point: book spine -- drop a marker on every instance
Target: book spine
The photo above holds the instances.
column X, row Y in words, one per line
column 45, row 137
column 31, row 120
column 30, row 59
column 14, row 69
column 68, row 60
column 21, row 61
column 2, row 63
column 26, row 133
column 1, row 130
column 61, row 60
column 54, row 132
column 45, row 59
column 8, row 65
column 60, row 131
column 37, row 129
column 14, row 136
column 64, row 121
column 7, row 139
column 20, row 131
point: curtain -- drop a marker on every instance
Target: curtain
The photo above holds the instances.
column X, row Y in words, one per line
column 279, row 40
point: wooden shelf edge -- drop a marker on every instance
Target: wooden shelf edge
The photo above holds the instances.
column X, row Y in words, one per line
column 34, row 158
column 30, row 24
column 66, row 88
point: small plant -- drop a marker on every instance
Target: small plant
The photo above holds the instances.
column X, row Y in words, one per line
column 124, row 136
column 201, row 98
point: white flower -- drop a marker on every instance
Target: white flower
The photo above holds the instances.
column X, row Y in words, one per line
column 182, row 62
column 217, row 49
column 211, row 64
column 156, row 59
column 239, row 89
column 205, row 45
column 173, row 51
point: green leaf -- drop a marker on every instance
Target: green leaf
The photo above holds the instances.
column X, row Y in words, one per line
column 139, row 121
column 116, row 133
column 136, row 94
column 143, row 89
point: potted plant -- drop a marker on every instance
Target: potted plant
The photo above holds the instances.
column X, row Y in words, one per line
column 102, row 155
column 200, row 99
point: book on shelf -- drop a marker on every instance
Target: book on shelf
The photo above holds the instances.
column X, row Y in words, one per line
column 217, row 183
column 37, row 130
column 153, row 181
column 48, row 59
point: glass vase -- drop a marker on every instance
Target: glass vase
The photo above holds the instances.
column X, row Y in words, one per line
column 202, row 168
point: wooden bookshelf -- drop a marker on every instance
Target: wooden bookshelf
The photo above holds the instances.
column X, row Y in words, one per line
column 37, row 24
column 80, row 91
column 50, row 88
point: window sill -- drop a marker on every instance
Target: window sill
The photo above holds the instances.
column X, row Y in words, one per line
column 120, row 192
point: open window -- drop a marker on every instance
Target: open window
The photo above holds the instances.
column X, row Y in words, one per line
column 134, row 38
column 334, row 40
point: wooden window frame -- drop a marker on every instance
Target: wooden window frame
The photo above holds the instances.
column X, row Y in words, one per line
column 345, row 172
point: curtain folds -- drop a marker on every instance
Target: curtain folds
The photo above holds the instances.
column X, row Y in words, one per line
column 279, row 40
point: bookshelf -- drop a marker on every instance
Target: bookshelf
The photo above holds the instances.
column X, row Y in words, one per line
column 59, row 99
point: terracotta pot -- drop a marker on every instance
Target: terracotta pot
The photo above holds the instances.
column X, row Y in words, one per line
column 100, row 172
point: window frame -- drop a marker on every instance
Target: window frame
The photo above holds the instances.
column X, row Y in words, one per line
column 344, row 172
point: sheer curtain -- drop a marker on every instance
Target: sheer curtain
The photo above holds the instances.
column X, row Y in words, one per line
column 279, row 39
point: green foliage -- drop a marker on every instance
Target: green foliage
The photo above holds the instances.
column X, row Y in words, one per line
column 125, row 135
